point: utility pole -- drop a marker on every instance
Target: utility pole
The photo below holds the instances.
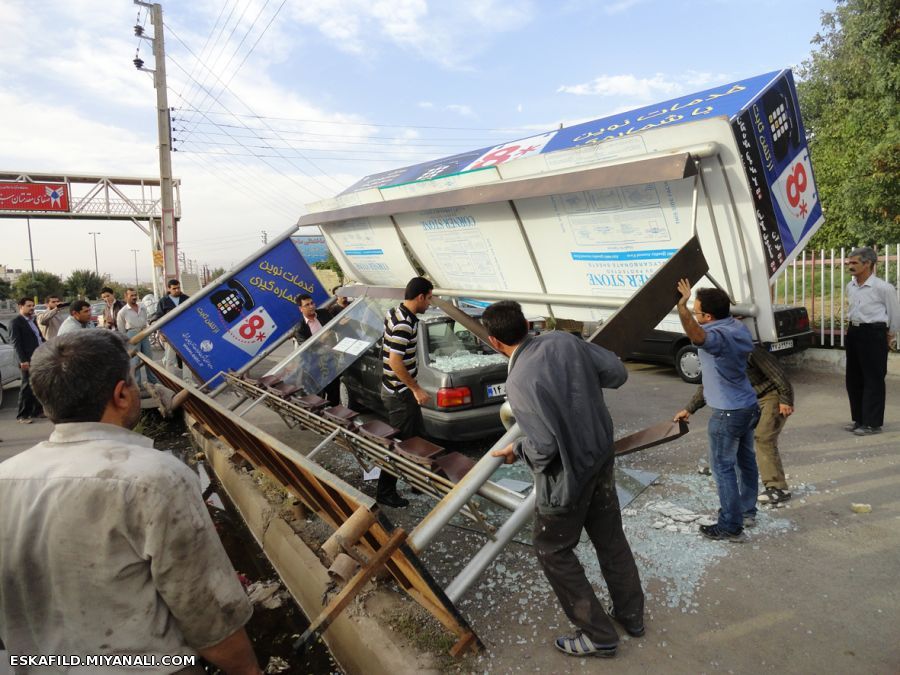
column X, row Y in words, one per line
column 31, row 258
column 135, row 251
column 96, row 267
column 168, row 238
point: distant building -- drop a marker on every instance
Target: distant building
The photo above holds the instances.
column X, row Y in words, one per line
column 10, row 274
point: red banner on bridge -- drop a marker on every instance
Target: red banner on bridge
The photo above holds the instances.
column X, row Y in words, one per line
column 34, row 197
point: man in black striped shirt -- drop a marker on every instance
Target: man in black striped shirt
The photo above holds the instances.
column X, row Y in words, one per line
column 401, row 394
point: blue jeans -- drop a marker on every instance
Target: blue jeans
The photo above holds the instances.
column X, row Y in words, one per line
column 733, row 464
column 144, row 348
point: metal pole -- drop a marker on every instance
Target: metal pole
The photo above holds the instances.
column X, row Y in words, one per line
column 96, row 267
column 164, row 126
column 31, row 258
column 135, row 251
column 489, row 552
column 252, row 362
column 457, row 498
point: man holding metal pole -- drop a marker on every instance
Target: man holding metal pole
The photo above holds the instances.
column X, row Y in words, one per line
column 555, row 388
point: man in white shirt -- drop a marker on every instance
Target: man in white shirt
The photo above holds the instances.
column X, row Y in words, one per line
column 106, row 545
column 131, row 320
column 79, row 318
column 874, row 316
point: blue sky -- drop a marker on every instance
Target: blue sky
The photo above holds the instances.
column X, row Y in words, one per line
column 344, row 88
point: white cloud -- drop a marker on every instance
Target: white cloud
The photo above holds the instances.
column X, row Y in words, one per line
column 643, row 89
column 425, row 105
column 461, row 110
column 620, row 6
column 433, row 30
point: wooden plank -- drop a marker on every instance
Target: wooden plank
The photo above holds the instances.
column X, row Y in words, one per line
column 351, row 589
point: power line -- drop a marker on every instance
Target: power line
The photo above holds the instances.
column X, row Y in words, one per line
column 342, row 138
column 400, row 150
column 192, row 92
column 240, row 44
column 206, row 42
column 373, row 124
column 268, row 163
column 260, row 156
column 217, row 99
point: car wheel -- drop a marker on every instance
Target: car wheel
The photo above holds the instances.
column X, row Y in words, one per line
column 687, row 364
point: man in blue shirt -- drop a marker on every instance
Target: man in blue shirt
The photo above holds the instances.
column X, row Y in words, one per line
column 725, row 343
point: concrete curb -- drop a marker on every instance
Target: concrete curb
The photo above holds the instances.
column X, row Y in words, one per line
column 360, row 643
column 834, row 361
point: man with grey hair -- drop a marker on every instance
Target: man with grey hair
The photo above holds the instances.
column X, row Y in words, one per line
column 106, row 546
column 874, row 316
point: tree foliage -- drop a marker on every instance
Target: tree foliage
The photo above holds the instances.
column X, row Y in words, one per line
column 5, row 289
column 331, row 264
column 85, row 284
column 849, row 90
column 40, row 284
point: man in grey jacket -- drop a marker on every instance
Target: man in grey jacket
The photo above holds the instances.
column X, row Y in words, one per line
column 555, row 388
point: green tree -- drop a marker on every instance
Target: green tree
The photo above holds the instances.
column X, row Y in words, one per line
column 40, row 284
column 331, row 264
column 5, row 289
column 85, row 284
column 849, row 90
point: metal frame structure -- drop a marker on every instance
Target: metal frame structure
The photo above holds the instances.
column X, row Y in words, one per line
column 107, row 198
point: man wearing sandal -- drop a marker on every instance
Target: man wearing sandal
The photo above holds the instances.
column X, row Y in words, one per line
column 555, row 388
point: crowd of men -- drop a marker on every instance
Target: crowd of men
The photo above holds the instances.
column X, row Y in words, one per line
column 154, row 579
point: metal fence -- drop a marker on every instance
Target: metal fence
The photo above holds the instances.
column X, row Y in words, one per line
column 818, row 279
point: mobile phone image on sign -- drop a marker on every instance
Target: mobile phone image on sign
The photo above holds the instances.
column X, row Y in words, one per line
column 252, row 332
column 796, row 194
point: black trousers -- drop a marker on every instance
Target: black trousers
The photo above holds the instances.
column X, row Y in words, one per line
column 29, row 406
column 404, row 413
column 867, row 353
column 555, row 539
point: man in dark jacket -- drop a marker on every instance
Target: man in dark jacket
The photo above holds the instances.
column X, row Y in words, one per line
column 555, row 388
column 166, row 304
column 25, row 337
column 312, row 320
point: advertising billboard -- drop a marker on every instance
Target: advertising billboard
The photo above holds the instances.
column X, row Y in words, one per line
column 17, row 196
column 766, row 125
column 312, row 247
column 233, row 321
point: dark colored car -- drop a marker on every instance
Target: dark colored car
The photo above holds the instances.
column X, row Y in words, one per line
column 465, row 379
column 668, row 347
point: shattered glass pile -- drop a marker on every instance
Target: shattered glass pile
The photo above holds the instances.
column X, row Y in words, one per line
column 465, row 360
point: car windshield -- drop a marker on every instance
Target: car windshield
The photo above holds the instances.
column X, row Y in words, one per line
column 452, row 347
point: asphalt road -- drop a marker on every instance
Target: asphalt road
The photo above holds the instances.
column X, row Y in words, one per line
column 815, row 590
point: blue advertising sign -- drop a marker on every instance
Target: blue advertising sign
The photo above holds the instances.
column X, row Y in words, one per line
column 312, row 247
column 772, row 142
column 233, row 321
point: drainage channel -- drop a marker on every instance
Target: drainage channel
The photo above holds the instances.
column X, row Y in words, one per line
column 277, row 621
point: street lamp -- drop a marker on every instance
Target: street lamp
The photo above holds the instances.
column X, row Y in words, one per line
column 135, row 251
column 96, row 267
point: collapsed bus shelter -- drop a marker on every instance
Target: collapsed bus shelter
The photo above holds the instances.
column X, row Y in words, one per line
column 599, row 231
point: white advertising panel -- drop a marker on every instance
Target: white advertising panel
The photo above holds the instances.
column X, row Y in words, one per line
column 370, row 251
column 474, row 247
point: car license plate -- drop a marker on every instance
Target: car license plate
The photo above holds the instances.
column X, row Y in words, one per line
column 778, row 346
column 495, row 390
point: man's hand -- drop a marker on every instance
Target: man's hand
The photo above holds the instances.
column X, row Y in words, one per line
column 786, row 410
column 24, row 366
column 421, row 395
column 507, row 453
column 682, row 415
column 684, row 287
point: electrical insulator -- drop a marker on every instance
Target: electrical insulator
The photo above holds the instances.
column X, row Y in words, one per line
column 138, row 63
column 139, row 30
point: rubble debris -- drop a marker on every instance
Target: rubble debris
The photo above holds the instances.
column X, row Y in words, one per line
column 276, row 664
column 269, row 594
column 861, row 508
